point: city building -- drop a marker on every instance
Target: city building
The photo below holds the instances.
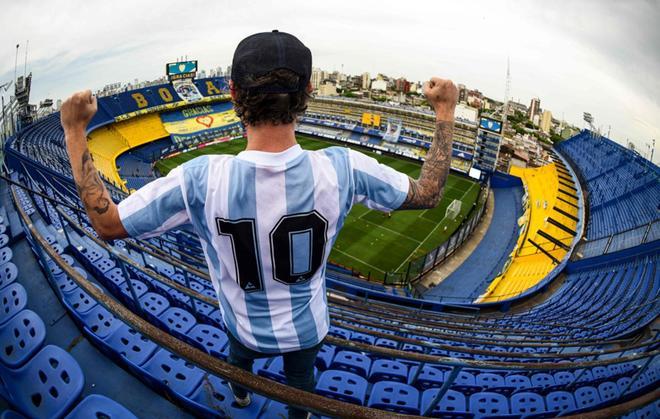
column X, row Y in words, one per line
column 316, row 78
column 328, row 89
column 546, row 121
column 534, row 108
column 366, row 81
column 402, row 85
column 379, row 85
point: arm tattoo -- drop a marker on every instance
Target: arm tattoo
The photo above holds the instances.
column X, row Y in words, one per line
column 426, row 191
column 90, row 187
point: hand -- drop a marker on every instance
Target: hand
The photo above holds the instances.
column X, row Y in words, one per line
column 78, row 110
column 442, row 95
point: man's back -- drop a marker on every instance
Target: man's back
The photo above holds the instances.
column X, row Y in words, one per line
column 268, row 222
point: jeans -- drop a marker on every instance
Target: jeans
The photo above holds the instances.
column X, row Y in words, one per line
column 298, row 368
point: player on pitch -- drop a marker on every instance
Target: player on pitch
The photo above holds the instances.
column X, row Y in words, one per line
column 268, row 217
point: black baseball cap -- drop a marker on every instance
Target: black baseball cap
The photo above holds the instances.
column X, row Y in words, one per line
column 264, row 52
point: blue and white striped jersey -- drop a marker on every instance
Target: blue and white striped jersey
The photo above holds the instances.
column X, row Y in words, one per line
column 267, row 223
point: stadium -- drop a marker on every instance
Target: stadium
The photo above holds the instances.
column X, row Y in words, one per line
column 547, row 306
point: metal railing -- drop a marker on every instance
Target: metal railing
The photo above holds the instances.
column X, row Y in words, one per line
column 294, row 397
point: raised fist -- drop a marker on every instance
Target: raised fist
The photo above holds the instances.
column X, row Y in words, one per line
column 442, row 95
column 78, row 110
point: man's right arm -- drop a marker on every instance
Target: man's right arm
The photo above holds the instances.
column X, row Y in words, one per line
column 427, row 190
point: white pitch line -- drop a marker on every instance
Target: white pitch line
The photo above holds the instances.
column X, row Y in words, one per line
column 358, row 259
column 432, row 231
column 385, row 228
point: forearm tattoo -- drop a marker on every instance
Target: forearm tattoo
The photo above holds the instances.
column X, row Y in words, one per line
column 90, row 187
column 426, row 191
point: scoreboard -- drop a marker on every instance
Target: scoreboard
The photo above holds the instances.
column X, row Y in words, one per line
column 181, row 70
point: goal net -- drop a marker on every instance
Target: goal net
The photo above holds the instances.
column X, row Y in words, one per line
column 453, row 209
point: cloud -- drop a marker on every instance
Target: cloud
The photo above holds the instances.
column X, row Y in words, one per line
column 597, row 56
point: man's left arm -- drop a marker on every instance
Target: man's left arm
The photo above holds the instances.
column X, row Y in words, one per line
column 76, row 113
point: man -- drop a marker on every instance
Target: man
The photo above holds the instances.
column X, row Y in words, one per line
column 268, row 217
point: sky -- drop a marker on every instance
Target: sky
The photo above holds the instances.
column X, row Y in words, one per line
column 598, row 56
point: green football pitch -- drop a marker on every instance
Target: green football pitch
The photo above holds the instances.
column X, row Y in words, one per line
column 372, row 242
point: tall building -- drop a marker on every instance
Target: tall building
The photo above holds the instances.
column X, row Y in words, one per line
column 366, row 81
column 546, row 121
column 534, row 108
column 462, row 93
column 317, row 78
column 402, row 85
column 489, row 136
column 379, row 84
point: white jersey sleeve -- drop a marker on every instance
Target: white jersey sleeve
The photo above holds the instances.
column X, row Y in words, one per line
column 377, row 186
column 155, row 208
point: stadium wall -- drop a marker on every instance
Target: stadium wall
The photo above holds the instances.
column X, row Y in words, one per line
column 156, row 98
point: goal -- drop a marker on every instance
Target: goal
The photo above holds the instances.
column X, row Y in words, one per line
column 453, row 209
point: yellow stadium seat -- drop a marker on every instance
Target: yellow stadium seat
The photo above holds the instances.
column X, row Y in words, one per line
column 109, row 142
column 550, row 223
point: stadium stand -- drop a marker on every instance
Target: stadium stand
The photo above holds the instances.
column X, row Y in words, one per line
column 148, row 306
column 622, row 192
column 107, row 143
column 470, row 279
column 550, row 225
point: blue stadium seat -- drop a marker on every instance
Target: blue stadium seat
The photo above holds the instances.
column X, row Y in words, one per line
column 387, row 343
column 411, row 347
column 13, row 299
column 154, row 305
column 395, row 397
column 342, row 385
column 65, row 283
column 488, row 380
column 171, row 372
column 79, row 301
column 274, row 370
column 100, row 407
column 47, row 386
column 8, row 274
column 177, row 320
column 429, row 377
column 20, row 338
column 608, row 391
column 452, row 405
column 115, row 277
column 91, row 255
column 466, row 383
column 520, row 382
column 5, row 255
column 489, row 404
column 388, row 370
column 216, row 318
column 542, row 381
column 560, row 401
column 210, row 339
column 103, row 265
column 324, row 357
column 526, row 403
column 563, row 378
column 130, row 345
column 586, row 397
column 363, row 338
column 353, row 362
column 339, row 332
column 100, row 322
column 139, row 287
